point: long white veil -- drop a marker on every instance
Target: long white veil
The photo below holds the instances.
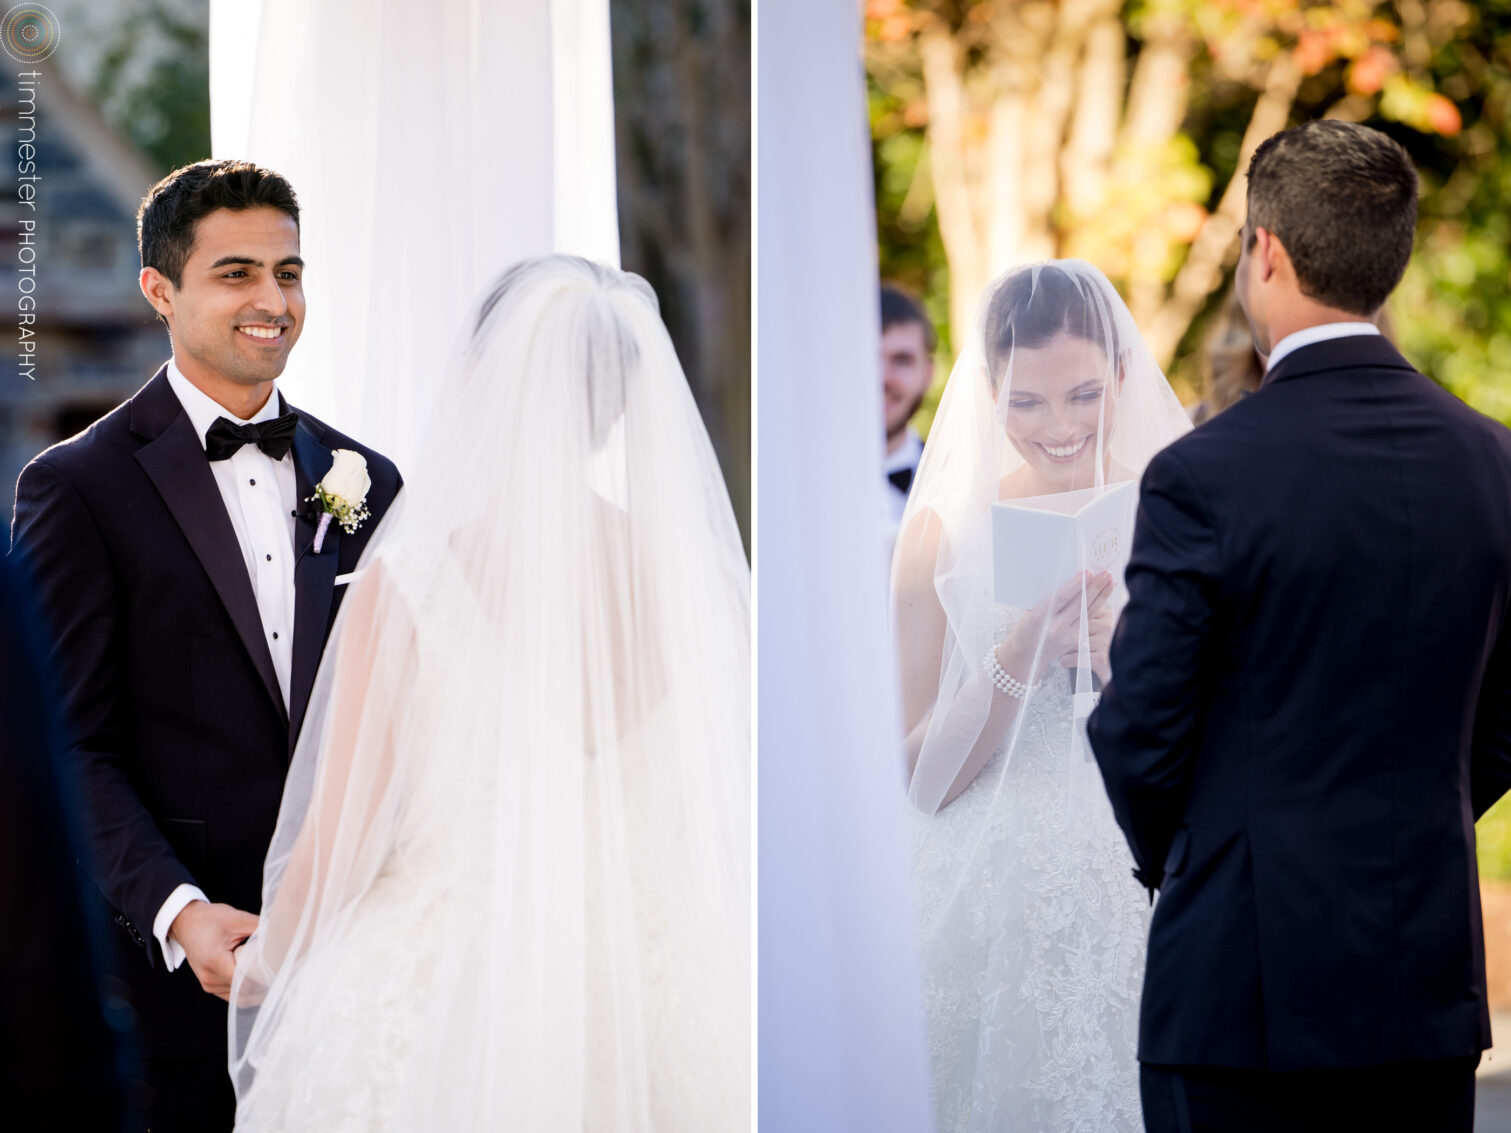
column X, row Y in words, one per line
column 1031, row 930
column 1055, row 357
column 520, row 804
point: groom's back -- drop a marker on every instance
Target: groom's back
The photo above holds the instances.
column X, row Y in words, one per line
column 1363, row 519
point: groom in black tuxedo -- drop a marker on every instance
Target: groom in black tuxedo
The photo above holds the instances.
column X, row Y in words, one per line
column 188, row 609
column 1311, row 700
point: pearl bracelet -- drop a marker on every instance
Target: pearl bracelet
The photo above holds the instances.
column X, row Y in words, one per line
column 1002, row 681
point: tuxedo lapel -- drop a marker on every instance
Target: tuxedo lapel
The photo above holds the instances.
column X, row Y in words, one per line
column 175, row 461
column 1351, row 352
column 314, row 576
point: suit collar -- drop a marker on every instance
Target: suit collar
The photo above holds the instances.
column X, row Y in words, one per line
column 174, row 460
column 155, row 407
column 204, row 410
column 1351, row 353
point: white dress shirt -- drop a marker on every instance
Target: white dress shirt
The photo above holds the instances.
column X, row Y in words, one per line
column 260, row 495
column 1307, row 336
column 906, row 457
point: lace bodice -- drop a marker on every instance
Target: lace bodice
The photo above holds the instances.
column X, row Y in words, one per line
column 1033, row 935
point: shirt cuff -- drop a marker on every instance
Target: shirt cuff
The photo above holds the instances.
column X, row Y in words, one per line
column 173, row 954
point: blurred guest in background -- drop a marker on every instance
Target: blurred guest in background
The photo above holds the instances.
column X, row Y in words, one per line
column 1230, row 366
column 907, row 369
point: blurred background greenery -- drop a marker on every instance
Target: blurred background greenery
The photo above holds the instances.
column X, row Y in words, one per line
column 1012, row 130
column 1005, row 131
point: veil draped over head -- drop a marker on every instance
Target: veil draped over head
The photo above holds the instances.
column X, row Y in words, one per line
column 1031, row 931
column 1055, row 392
column 518, row 814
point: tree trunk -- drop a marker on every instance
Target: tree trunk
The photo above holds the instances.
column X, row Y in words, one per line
column 995, row 136
column 1156, row 107
column 963, row 244
column 1086, row 160
column 682, row 128
column 1216, row 243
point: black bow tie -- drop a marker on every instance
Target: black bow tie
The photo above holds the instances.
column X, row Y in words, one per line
column 273, row 437
column 902, row 480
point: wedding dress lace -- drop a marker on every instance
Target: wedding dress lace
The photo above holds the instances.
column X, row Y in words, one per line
column 1033, row 938
column 1032, row 931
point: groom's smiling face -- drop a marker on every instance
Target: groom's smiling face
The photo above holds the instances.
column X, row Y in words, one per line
column 240, row 305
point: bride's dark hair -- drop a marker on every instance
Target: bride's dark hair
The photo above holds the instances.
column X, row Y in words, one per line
column 614, row 353
column 1035, row 304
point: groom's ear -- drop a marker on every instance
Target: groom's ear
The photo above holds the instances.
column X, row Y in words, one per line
column 1268, row 252
column 158, row 290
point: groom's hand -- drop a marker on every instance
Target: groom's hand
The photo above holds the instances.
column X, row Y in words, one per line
column 209, row 935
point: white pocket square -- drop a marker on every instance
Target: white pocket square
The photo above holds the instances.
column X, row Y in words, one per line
column 343, row 579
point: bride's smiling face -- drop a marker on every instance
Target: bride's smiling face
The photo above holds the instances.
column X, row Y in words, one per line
column 1056, row 401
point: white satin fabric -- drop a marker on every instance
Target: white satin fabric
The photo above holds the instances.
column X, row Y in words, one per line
column 510, row 884
column 1032, row 930
column 429, row 144
column 841, row 1043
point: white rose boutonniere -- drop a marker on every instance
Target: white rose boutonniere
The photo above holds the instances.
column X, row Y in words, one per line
column 342, row 495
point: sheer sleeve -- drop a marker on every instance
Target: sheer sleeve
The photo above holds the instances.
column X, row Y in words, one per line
column 346, row 822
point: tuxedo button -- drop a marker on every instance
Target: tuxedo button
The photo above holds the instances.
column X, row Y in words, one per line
column 275, row 635
column 270, row 558
column 252, row 482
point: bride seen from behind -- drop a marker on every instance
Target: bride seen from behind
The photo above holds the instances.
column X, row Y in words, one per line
column 510, row 881
column 1032, row 931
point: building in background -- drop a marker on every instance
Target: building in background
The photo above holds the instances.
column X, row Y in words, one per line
column 97, row 339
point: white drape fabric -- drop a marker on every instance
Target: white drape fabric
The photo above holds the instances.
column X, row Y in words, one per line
column 841, row 1043
column 510, row 882
column 431, row 146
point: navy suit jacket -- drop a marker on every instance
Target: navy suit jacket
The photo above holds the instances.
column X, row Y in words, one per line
column 1311, row 705
column 173, row 718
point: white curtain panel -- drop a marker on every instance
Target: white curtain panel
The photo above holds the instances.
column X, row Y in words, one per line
column 840, row 1028
column 431, row 146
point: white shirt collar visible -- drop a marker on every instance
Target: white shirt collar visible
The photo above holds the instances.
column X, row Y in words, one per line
column 204, row 409
column 1309, row 336
column 907, row 454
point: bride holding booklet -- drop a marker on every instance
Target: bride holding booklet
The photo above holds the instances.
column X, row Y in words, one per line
column 1007, row 581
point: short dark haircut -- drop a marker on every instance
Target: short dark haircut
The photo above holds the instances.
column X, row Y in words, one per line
column 1031, row 306
column 175, row 205
column 899, row 306
column 1342, row 198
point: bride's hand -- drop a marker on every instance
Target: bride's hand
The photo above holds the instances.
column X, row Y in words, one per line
column 1056, row 622
column 1099, row 627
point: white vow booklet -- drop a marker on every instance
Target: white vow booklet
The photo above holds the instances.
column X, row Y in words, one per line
column 1039, row 542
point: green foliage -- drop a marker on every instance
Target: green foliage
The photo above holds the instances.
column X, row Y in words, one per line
column 166, row 110
column 1435, row 75
column 1453, row 309
column 1493, row 832
column 912, row 252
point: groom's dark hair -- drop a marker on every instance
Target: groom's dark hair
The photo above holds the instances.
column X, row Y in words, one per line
column 1342, row 198
column 175, row 205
